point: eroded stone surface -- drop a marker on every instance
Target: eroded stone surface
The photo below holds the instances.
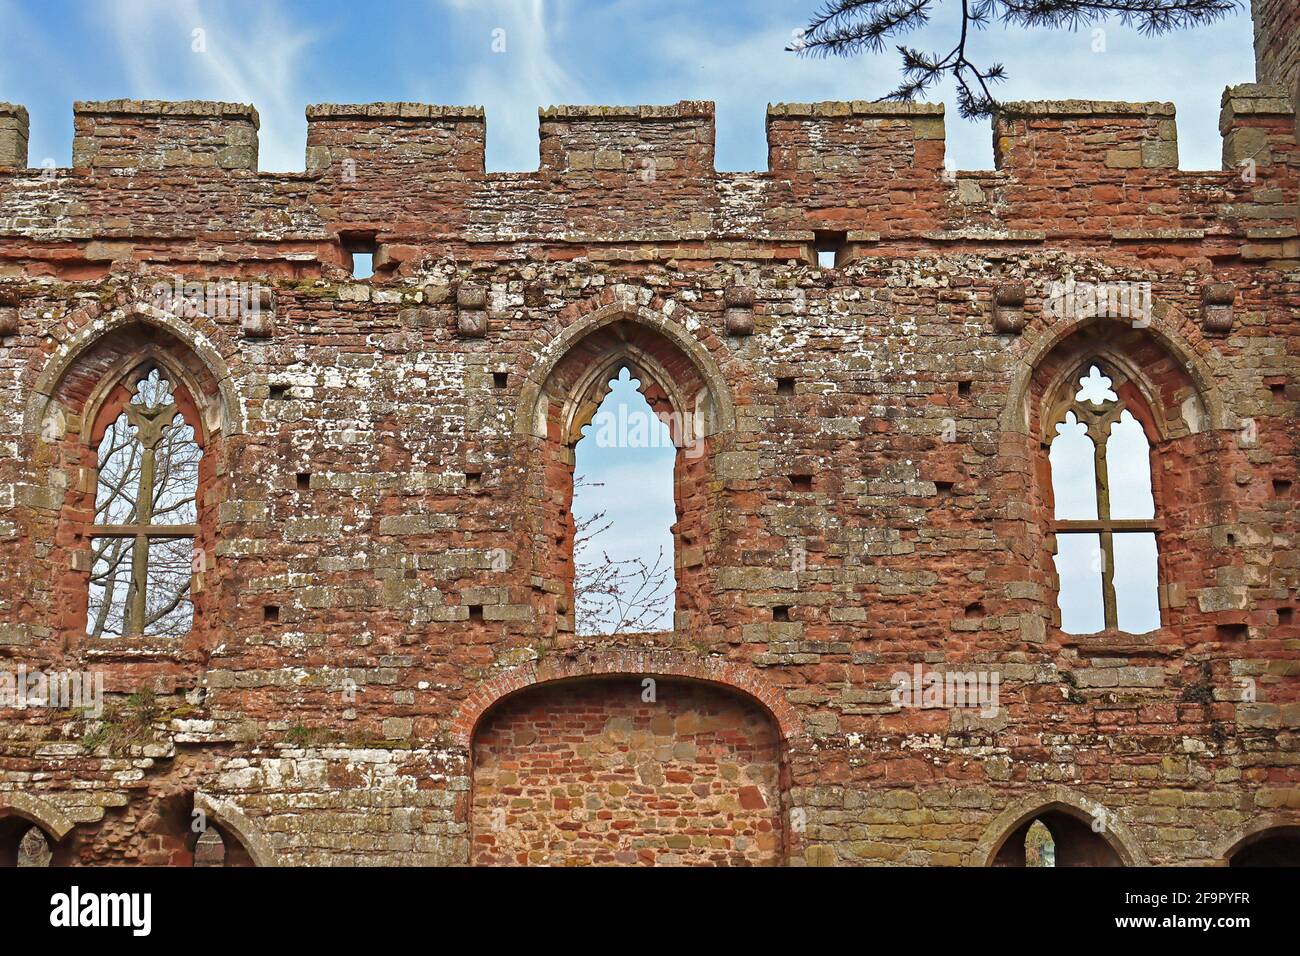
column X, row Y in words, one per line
column 384, row 518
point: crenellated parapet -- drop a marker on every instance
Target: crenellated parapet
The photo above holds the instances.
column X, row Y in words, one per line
column 360, row 144
column 114, row 135
column 620, row 146
column 13, row 135
column 846, row 176
column 858, row 166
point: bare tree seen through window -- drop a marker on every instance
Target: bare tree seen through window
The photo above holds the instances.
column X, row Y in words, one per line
column 615, row 595
column 145, row 518
column 623, row 512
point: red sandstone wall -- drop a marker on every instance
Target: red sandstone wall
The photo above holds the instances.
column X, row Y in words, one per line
column 378, row 475
column 1277, row 42
column 595, row 774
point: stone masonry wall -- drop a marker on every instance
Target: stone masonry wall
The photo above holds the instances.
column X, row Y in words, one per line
column 1277, row 42
column 677, row 775
column 383, row 584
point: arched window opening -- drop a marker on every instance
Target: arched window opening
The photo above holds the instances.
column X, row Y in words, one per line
column 34, row 848
column 186, row 834
column 146, row 513
column 24, row 843
column 623, row 515
column 210, row 849
column 1040, row 848
column 1104, row 512
column 1279, row 846
column 684, row 389
column 1056, row 838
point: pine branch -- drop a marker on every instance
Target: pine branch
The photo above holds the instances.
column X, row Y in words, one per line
column 847, row 27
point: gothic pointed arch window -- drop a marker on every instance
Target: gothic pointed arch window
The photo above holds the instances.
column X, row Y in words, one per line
column 1104, row 511
column 649, row 408
column 145, row 523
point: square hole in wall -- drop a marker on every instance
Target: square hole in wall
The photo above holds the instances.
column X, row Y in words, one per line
column 303, row 480
column 271, row 613
column 801, row 482
column 1232, row 632
column 943, row 488
column 973, row 611
column 363, row 265
column 785, row 385
column 474, row 479
column 1281, row 488
column 500, row 379
column 360, row 249
column 829, row 246
column 1285, row 616
column 278, row 392
column 476, row 612
column 964, row 387
column 781, row 612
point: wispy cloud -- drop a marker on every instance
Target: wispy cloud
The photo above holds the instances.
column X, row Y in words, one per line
column 243, row 53
column 509, row 65
column 742, row 65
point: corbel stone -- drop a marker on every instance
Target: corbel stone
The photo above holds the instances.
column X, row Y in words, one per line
column 471, row 311
column 258, row 319
column 8, row 312
column 1217, row 300
column 1009, row 308
column 739, row 300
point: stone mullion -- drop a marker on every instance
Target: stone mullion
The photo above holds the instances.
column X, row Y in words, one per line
column 1098, row 432
column 136, row 596
column 150, row 423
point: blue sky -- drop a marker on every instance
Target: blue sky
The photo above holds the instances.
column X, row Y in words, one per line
column 283, row 55
column 626, row 457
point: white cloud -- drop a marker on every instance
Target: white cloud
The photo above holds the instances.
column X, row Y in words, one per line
column 517, row 72
column 253, row 55
column 740, row 69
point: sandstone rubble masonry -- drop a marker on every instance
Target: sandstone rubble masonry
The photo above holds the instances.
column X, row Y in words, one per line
column 383, row 667
column 1277, row 42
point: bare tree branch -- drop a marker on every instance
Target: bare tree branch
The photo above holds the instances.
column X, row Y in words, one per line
column 848, row 27
column 636, row 591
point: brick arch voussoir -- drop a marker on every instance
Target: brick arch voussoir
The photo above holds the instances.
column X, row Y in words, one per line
column 732, row 675
column 1240, row 839
column 225, row 814
column 38, row 811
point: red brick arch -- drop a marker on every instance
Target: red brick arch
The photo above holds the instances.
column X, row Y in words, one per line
column 625, row 662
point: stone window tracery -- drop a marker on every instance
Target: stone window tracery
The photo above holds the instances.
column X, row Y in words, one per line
column 1104, row 513
column 145, row 522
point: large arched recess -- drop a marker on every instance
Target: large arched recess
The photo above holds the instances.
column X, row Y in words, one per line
column 627, row 771
column 681, row 382
column 75, row 396
column 1171, row 392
